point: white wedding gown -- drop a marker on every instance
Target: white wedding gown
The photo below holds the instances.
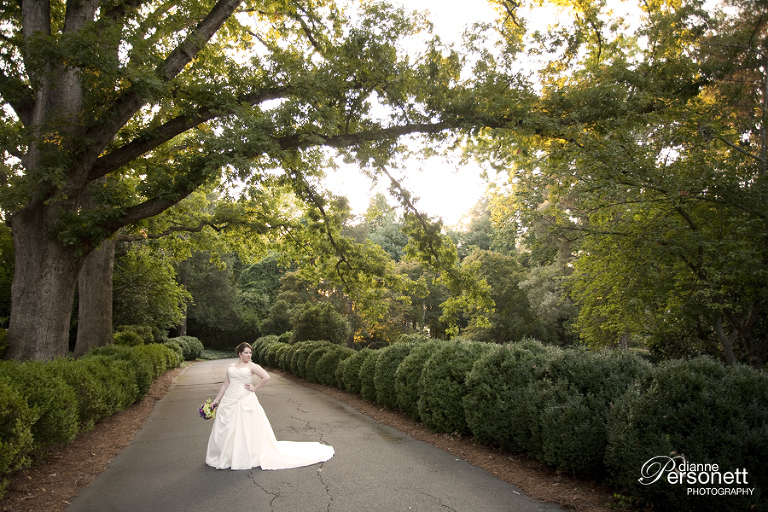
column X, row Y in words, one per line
column 242, row 437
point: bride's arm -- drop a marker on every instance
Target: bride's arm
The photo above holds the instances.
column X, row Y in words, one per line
column 261, row 373
column 224, row 387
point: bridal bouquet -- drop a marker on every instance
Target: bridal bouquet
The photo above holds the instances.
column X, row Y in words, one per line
column 207, row 410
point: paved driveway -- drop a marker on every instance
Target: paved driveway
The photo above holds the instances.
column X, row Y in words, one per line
column 376, row 468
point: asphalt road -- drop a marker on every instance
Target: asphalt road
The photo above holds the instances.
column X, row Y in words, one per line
column 376, row 468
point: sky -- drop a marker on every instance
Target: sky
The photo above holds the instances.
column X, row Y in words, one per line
column 444, row 188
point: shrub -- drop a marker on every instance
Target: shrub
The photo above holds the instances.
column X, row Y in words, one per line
column 286, row 337
column 313, row 358
column 260, row 348
column 340, row 372
column 302, row 355
column 367, row 374
column 325, row 368
column 86, row 379
column 49, row 396
column 384, row 379
column 141, row 363
column 408, row 374
column 573, row 409
column 191, row 347
column 351, row 371
column 16, row 440
column 284, row 361
column 127, row 338
column 442, row 386
column 176, row 347
column 502, row 384
column 272, row 353
column 702, row 411
column 119, row 379
column 143, row 331
column 319, row 321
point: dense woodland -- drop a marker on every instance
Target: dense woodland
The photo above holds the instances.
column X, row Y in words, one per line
column 163, row 163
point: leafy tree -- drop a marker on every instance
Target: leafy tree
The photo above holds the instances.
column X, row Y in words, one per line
column 655, row 174
column 145, row 289
column 115, row 113
column 319, row 322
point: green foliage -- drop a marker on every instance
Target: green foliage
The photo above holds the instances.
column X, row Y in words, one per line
column 278, row 319
column 367, row 375
column 442, row 386
column 260, row 348
column 350, row 370
column 580, row 388
column 319, row 321
column 127, row 338
column 145, row 291
column 408, row 374
column 144, row 331
column 310, row 370
column 191, row 347
column 53, row 401
column 326, row 366
column 698, row 409
column 384, row 378
column 47, row 403
column 498, row 408
column 303, row 350
column 16, row 420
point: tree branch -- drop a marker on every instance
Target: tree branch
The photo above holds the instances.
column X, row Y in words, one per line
column 150, row 139
column 131, row 102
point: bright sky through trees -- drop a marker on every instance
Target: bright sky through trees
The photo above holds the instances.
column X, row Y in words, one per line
column 445, row 187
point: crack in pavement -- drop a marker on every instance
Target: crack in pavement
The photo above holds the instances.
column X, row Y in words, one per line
column 326, row 486
column 274, row 495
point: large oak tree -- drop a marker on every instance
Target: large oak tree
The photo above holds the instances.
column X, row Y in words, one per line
column 114, row 111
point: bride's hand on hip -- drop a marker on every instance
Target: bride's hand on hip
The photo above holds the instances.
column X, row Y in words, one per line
column 250, row 387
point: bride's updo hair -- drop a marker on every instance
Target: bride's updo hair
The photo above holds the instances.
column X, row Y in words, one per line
column 241, row 347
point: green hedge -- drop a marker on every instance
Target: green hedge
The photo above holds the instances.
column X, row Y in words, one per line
column 386, row 365
column 326, row 366
column 47, row 403
column 699, row 409
column 312, row 359
column 367, row 374
column 191, row 347
column 573, row 407
column 351, row 370
column 442, row 386
column 498, row 406
column 16, row 420
column 408, row 374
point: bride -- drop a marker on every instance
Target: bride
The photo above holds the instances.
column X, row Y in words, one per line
column 242, row 437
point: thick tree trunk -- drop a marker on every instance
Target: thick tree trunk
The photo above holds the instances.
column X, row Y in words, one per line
column 42, row 292
column 94, row 317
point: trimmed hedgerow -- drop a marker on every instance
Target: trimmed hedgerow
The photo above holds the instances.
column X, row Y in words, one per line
column 191, row 347
column 313, row 358
column 351, row 370
column 48, row 394
column 367, row 374
column 573, row 407
column 408, row 374
column 284, row 359
column 48, row 403
column 386, row 365
column 442, row 386
column 301, row 351
column 325, row 368
column 260, row 347
column 303, row 356
column 16, row 440
column 700, row 410
column 498, row 408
